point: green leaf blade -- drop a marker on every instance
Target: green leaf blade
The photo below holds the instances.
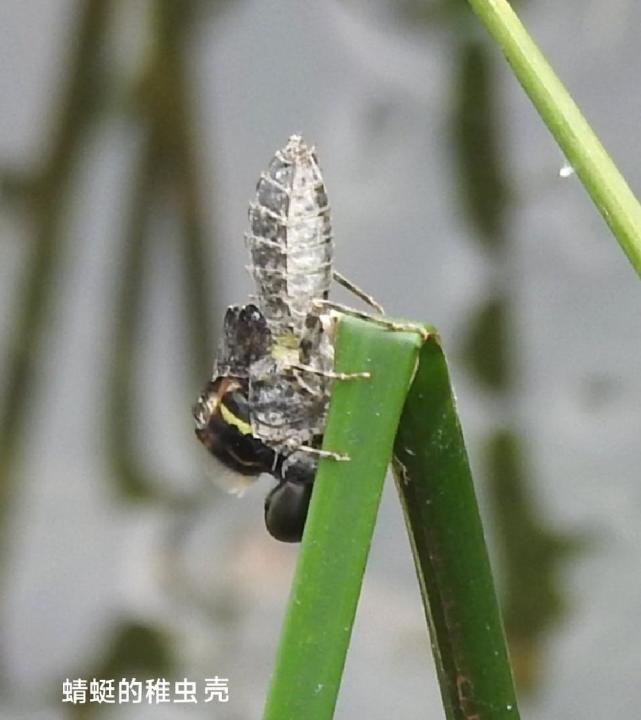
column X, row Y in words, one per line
column 362, row 423
column 437, row 494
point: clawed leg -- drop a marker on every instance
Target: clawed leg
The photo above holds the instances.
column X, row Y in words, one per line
column 330, row 373
column 383, row 322
column 340, row 457
column 355, row 290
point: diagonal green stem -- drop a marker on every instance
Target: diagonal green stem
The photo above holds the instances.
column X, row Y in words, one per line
column 600, row 176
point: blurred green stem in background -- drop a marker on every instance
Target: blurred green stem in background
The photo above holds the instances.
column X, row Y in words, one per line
column 522, row 529
column 171, row 107
column 601, row 178
column 532, row 554
column 483, row 178
column 167, row 169
column 47, row 201
column 166, row 173
column 128, row 472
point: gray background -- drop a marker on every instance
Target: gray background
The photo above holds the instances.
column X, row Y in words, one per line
column 372, row 92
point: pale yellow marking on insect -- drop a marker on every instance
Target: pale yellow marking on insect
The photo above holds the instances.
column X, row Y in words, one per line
column 286, row 341
column 231, row 419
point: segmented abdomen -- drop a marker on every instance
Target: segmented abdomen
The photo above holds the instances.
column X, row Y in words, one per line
column 289, row 238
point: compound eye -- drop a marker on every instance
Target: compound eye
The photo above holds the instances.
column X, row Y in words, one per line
column 286, row 510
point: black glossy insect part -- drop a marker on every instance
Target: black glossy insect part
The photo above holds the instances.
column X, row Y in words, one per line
column 286, row 509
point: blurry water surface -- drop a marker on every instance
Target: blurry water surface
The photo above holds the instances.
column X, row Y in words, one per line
column 375, row 94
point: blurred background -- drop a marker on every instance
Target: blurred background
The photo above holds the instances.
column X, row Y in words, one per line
column 131, row 138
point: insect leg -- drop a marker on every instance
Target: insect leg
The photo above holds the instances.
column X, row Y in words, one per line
column 317, row 452
column 355, row 290
column 383, row 322
column 329, row 373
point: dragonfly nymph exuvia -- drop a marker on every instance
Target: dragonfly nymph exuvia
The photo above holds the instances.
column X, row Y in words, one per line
column 264, row 409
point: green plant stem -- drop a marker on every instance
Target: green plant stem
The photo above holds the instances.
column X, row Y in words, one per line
column 437, row 494
column 362, row 422
column 601, row 178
